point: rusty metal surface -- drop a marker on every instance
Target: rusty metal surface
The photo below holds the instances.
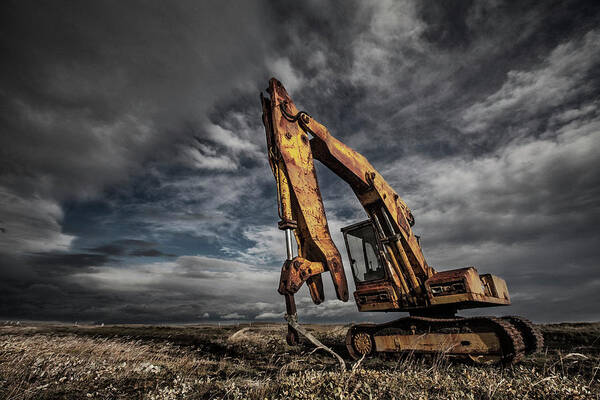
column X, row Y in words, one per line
column 487, row 336
column 451, row 275
column 532, row 336
column 457, row 343
column 297, row 271
column 362, row 343
column 497, row 286
column 476, row 290
column 370, row 187
column 299, row 198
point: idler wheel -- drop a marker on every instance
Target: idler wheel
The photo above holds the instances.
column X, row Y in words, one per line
column 359, row 343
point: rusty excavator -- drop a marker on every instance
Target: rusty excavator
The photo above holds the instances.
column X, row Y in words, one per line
column 389, row 270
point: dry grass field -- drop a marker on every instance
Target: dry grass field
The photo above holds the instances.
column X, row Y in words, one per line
column 43, row 361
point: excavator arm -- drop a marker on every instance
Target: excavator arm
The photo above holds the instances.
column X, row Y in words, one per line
column 300, row 203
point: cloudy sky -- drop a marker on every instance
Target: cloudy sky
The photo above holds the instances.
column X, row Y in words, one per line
column 134, row 182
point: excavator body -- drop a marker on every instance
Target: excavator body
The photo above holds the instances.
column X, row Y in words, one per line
column 445, row 292
column 387, row 263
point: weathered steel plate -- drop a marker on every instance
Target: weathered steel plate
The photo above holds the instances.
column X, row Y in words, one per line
column 454, row 343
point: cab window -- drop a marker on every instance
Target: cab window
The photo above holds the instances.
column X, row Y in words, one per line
column 362, row 250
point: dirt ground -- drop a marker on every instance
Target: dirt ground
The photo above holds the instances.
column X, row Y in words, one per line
column 45, row 361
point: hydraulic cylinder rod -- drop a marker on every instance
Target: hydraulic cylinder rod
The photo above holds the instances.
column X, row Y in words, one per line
column 288, row 244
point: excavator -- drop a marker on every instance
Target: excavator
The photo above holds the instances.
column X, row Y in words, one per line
column 387, row 263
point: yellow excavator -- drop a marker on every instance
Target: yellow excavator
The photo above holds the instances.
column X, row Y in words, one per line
column 389, row 270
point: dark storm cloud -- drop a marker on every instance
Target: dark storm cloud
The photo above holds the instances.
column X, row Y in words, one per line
column 132, row 247
column 149, row 253
column 446, row 23
column 91, row 91
column 131, row 132
column 54, row 261
column 111, row 249
column 178, row 291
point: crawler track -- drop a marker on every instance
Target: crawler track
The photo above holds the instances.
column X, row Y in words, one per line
column 487, row 339
column 532, row 337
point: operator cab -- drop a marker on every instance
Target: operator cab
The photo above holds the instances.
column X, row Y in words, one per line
column 446, row 291
column 374, row 291
column 364, row 252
